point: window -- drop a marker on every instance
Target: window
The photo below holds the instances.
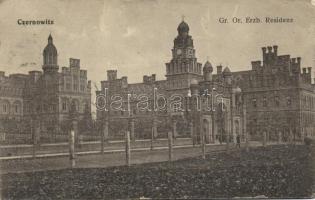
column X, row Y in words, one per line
column 68, row 86
column 254, row 102
column 75, row 87
column 52, row 108
column 277, row 102
column 289, row 102
column 5, row 108
column 16, row 109
column 265, row 104
column 64, row 105
column 82, row 88
column 50, row 58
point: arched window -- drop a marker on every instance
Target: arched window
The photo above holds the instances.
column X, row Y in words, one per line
column 64, row 105
column 6, row 107
column 254, row 102
column 265, row 103
column 76, row 104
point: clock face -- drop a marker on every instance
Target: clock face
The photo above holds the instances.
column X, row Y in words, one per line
column 179, row 51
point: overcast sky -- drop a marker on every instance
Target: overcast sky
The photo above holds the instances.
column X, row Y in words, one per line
column 136, row 36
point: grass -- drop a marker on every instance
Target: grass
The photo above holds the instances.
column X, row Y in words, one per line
column 279, row 172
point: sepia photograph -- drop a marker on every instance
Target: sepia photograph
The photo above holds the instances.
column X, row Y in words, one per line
column 157, row 99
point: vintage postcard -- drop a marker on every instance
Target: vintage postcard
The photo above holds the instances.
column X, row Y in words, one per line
column 157, row 99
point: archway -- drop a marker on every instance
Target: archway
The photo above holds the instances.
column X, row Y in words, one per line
column 236, row 130
column 221, row 123
column 206, row 130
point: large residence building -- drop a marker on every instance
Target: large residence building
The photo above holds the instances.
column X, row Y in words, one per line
column 274, row 99
column 279, row 95
column 45, row 100
column 190, row 102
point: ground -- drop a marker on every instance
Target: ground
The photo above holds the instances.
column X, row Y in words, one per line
column 276, row 171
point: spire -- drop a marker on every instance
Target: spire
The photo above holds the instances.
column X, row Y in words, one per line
column 50, row 56
column 50, row 39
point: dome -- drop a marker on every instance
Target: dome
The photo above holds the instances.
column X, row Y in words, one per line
column 50, row 47
column 183, row 27
column 207, row 68
column 50, row 56
column 227, row 72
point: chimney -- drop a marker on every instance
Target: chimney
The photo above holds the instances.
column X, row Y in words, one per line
column 264, row 54
column 74, row 62
column 111, row 75
column 89, row 84
column 294, row 60
column 299, row 60
column 275, row 50
column 2, row 73
column 256, row 64
column 304, row 70
column 124, row 82
column 269, row 49
column 153, row 77
column 309, row 70
column 145, row 78
column 219, row 69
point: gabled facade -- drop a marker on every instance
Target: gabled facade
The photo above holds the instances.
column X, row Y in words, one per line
column 42, row 99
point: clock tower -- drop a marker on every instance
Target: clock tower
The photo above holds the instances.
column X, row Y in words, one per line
column 183, row 66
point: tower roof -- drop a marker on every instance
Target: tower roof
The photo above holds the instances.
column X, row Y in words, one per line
column 50, row 47
column 207, row 67
column 183, row 27
column 227, row 72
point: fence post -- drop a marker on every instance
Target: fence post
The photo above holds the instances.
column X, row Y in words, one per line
column 228, row 142
column 264, row 138
column 104, row 135
column 128, row 148
column 203, row 145
column 174, row 129
column 132, row 130
column 191, row 128
column 102, row 139
column 170, row 146
column 71, row 147
column 34, row 138
column 247, row 142
column 279, row 137
column 152, row 137
column 155, row 124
